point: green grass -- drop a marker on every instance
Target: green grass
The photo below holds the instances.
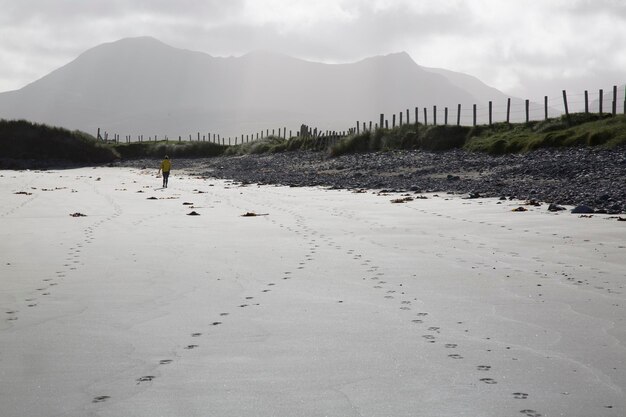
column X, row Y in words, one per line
column 271, row 144
column 579, row 130
column 23, row 140
column 173, row 149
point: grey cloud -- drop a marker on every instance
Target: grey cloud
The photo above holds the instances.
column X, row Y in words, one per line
column 613, row 8
column 63, row 10
column 370, row 33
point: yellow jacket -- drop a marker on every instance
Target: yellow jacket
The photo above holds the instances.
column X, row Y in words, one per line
column 166, row 165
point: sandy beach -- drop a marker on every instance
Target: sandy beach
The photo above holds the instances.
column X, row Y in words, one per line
column 115, row 301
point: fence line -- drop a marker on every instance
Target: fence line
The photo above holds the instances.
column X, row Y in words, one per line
column 518, row 111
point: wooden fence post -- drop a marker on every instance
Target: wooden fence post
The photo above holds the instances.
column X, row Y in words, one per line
column 508, row 110
column 458, row 114
column 474, row 111
column 601, row 93
column 425, row 117
column 527, row 110
column 490, row 112
column 545, row 107
column 625, row 100
column 416, row 118
column 401, row 119
column 382, row 118
column 586, row 102
column 614, row 101
column 387, row 124
column 565, row 106
column 445, row 121
column 434, row 115
column 393, row 120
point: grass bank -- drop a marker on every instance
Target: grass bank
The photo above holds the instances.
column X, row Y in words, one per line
column 579, row 130
column 33, row 145
column 21, row 140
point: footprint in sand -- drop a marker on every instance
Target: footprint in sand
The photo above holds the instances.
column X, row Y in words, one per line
column 455, row 356
column 530, row 413
column 418, row 321
column 165, row 361
column 520, row 395
column 483, row 367
column 146, row 378
column 451, row 345
column 189, row 347
column 226, row 314
column 100, row 399
column 216, row 323
column 196, row 334
column 488, row 381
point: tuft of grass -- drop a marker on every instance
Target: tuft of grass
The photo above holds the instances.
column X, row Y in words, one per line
column 443, row 138
column 173, row 149
column 580, row 130
column 270, row 144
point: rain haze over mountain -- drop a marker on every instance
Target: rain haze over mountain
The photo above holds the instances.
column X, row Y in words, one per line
column 264, row 64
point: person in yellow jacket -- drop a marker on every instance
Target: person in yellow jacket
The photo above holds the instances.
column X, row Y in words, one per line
column 166, row 166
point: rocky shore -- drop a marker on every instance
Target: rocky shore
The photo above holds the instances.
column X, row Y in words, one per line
column 573, row 176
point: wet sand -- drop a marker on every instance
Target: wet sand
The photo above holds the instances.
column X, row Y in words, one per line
column 329, row 303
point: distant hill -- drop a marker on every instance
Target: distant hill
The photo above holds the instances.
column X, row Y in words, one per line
column 143, row 86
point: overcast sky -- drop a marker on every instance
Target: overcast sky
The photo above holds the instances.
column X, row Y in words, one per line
column 528, row 48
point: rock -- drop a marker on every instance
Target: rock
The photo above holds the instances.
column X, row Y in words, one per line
column 555, row 207
column 582, row 209
column 451, row 177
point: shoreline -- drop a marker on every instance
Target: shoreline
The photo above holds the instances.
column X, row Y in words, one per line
column 571, row 176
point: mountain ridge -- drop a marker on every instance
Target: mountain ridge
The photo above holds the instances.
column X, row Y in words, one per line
column 143, row 86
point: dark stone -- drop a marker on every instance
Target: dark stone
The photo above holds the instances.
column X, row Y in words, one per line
column 555, row 207
column 582, row 209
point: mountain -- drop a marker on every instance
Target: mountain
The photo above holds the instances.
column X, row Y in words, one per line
column 142, row 86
